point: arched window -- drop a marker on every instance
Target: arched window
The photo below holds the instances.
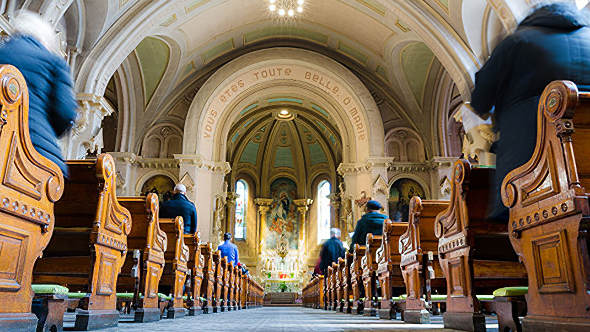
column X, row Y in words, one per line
column 241, row 207
column 323, row 202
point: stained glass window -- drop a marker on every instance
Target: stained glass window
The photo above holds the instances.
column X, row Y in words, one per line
column 323, row 203
column 241, row 207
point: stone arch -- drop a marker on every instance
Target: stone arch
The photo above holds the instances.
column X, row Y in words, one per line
column 413, row 177
column 147, row 176
column 213, row 108
column 164, row 133
column 398, row 142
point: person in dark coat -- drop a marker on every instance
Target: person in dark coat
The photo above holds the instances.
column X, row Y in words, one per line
column 370, row 222
column 179, row 205
column 553, row 43
column 33, row 49
column 332, row 249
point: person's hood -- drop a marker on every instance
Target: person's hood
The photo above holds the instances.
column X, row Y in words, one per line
column 562, row 15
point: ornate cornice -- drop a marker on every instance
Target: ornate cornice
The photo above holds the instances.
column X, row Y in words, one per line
column 222, row 167
column 141, row 162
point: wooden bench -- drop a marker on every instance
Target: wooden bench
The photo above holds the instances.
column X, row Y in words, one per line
column 419, row 249
column 548, row 201
column 388, row 269
column 141, row 275
column 337, row 296
column 89, row 242
column 224, row 283
column 474, row 253
column 175, row 269
column 208, row 285
column 356, row 276
column 341, row 283
column 347, row 283
column 195, row 265
column 329, row 288
column 237, row 288
column 369, row 266
column 30, row 186
column 218, row 283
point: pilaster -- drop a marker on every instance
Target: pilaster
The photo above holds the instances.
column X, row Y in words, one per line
column 262, row 206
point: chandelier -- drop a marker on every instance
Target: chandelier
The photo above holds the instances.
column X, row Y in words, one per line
column 286, row 8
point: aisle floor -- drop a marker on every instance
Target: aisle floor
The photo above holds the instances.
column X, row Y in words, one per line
column 284, row 319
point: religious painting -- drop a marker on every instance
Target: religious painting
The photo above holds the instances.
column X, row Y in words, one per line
column 282, row 219
column 400, row 194
column 161, row 185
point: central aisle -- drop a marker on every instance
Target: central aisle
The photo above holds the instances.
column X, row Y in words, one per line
column 285, row 319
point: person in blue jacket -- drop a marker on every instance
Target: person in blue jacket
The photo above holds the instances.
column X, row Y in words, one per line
column 179, row 205
column 229, row 249
column 34, row 49
column 332, row 249
column 552, row 43
column 370, row 222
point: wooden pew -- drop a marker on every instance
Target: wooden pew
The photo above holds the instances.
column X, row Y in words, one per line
column 195, row 266
column 319, row 294
column 176, row 269
column 225, row 283
column 142, row 276
column 218, row 283
column 388, row 269
column 335, row 287
column 347, row 283
column 89, row 242
column 31, row 185
column 244, row 291
column 419, row 249
column 474, row 253
column 229, row 298
column 330, row 287
column 237, row 288
column 340, row 283
column 369, row 266
column 548, row 201
column 208, row 284
column 356, row 276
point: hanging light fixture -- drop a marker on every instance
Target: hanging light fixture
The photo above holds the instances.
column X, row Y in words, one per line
column 285, row 8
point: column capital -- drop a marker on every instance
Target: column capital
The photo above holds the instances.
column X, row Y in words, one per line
column 231, row 197
column 303, row 204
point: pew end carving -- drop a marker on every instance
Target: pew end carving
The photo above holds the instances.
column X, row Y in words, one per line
column 195, row 265
column 419, row 263
column 208, row 284
column 474, row 252
column 89, row 242
column 388, row 267
column 151, row 241
column 369, row 274
column 175, row 269
column 356, row 276
column 31, row 184
column 549, row 211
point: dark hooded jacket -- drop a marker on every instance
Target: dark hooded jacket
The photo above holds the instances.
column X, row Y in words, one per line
column 179, row 205
column 332, row 249
column 551, row 44
column 52, row 105
column 371, row 222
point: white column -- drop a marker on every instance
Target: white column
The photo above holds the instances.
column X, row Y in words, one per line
column 86, row 136
column 126, row 173
column 208, row 178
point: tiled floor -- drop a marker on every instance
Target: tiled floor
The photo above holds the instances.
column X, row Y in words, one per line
column 273, row 319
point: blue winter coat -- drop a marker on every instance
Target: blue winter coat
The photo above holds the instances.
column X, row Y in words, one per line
column 332, row 249
column 179, row 205
column 52, row 105
column 551, row 44
column 371, row 222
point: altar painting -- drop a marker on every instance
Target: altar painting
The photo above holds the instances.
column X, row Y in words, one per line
column 282, row 219
column 400, row 194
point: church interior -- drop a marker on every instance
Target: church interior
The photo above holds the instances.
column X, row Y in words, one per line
column 282, row 119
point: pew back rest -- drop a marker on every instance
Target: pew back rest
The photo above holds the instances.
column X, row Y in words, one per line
column 419, row 236
column 538, row 189
column 146, row 233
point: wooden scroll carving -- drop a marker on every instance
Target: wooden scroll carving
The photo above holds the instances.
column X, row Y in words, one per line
column 356, row 276
column 175, row 270
column 388, row 269
column 89, row 242
column 195, row 265
column 369, row 268
column 336, row 296
column 418, row 270
column 208, row 284
column 347, row 283
column 474, row 252
column 549, row 212
column 147, row 237
column 218, row 284
column 31, row 184
column 340, row 280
